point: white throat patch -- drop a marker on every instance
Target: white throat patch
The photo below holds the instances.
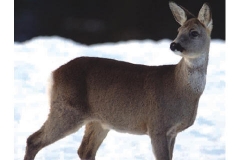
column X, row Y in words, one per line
column 178, row 53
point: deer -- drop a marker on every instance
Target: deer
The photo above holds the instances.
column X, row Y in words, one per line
column 106, row 94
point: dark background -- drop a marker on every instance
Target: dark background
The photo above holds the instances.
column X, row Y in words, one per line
column 98, row 21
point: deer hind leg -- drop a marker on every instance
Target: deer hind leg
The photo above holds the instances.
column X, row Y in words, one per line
column 62, row 121
column 93, row 137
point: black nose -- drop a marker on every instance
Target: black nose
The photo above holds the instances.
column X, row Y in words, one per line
column 176, row 47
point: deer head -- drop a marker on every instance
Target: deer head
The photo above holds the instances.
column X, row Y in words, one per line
column 193, row 37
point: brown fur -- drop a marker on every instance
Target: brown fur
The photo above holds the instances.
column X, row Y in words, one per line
column 105, row 94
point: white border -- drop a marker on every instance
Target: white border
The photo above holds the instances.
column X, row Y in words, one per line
column 6, row 79
column 232, row 81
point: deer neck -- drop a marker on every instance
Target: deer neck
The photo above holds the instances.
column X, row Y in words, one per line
column 191, row 73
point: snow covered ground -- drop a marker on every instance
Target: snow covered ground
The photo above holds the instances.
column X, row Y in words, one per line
column 34, row 60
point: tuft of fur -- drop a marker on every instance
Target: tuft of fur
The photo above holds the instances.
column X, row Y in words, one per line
column 49, row 88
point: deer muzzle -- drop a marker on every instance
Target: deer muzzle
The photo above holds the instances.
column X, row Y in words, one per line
column 176, row 47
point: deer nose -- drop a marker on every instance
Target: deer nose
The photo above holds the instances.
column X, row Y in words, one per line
column 176, row 47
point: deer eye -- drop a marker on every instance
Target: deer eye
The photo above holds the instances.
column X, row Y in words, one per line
column 194, row 33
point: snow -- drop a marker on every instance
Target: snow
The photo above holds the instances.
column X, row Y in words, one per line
column 35, row 59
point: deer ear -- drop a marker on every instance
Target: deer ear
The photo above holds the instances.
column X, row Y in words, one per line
column 205, row 16
column 178, row 13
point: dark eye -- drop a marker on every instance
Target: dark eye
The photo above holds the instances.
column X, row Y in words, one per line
column 194, row 33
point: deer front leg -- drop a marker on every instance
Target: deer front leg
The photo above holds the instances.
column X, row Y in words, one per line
column 160, row 146
column 171, row 142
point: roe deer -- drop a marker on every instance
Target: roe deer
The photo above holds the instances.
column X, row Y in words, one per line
column 105, row 94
